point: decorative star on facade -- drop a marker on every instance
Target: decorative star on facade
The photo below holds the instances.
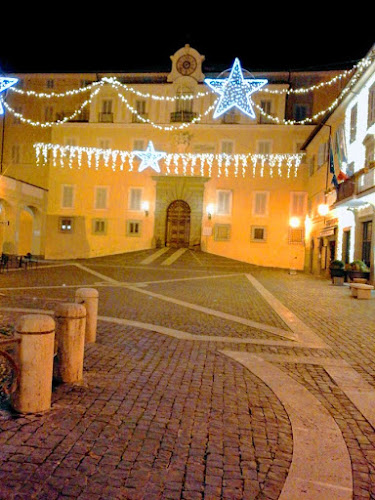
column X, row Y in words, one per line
column 235, row 91
column 149, row 158
column 5, row 83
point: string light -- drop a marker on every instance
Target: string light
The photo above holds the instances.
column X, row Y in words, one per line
column 179, row 162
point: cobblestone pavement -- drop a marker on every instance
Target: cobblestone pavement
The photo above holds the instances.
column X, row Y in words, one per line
column 189, row 390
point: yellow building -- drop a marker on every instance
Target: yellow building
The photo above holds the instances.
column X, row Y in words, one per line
column 235, row 185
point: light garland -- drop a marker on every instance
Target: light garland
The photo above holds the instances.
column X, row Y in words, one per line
column 116, row 85
column 180, row 163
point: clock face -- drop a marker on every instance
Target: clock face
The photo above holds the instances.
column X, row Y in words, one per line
column 186, row 65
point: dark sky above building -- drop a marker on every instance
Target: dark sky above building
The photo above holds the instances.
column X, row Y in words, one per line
column 116, row 38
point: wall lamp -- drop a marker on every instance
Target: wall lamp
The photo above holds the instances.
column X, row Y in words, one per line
column 323, row 209
column 210, row 210
column 294, row 222
column 146, row 207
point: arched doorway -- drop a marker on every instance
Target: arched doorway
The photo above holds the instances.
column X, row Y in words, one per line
column 178, row 224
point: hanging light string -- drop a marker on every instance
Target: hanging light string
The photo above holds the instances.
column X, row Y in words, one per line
column 95, row 87
column 182, row 163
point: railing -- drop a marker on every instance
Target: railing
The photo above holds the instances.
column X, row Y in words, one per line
column 106, row 117
column 137, row 118
column 345, row 190
column 366, row 181
column 183, row 116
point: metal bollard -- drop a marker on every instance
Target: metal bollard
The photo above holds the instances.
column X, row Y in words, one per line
column 89, row 297
column 70, row 333
column 36, row 351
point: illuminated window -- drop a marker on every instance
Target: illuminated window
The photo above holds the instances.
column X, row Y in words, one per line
column 65, row 225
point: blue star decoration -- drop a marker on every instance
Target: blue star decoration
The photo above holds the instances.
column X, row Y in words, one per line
column 235, row 91
column 149, row 157
column 5, row 83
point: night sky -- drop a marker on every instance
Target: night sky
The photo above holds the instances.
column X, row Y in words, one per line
column 116, row 38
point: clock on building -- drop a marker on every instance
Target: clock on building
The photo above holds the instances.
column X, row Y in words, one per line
column 186, row 65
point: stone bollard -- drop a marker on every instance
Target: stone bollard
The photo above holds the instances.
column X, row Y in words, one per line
column 89, row 297
column 36, row 351
column 70, row 333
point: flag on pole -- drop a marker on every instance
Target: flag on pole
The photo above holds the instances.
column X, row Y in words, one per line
column 332, row 165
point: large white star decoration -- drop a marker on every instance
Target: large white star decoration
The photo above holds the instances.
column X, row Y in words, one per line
column 5, row 83
column 235, row 91
column 149, row 157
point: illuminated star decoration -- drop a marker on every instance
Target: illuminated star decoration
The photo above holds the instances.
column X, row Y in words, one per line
column 235, row 91
column 5, row 83
column 149, row 158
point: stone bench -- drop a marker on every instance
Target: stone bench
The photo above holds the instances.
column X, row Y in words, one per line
column 361, row 291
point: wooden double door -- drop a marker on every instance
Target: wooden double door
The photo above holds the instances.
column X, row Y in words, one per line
column 178, row 224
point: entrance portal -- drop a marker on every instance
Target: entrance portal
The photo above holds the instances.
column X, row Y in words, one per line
column 178, row 224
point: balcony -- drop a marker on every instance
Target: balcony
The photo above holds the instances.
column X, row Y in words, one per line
column 139, row 117
column 106, row 117
column 345, row 190
column 183, row 116
column 366, row 181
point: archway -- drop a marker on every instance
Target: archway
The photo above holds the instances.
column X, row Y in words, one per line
column 178, row 224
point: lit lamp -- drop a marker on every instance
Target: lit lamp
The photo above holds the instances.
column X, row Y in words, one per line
column 323, row 209
column 294, row 222
column 145, row 207
column 210, row 210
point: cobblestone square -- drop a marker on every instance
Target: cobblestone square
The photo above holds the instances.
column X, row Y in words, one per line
column 209, row 379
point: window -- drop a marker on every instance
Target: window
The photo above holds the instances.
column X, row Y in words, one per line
column 224, row 202
column 366, row 242
column 67, row 196
column 222, row 232
column 300, row 111
column 17, row 119
column 311, row 165
column 65, row 225
column 266, row 106
column 70, row 141
column 371, row 106
column 106, row 114
column 260, row 204
column 16, row 154
column 264, row 147
column 99, row 226
column 296, row 235
column 50, row 84
column 184, row 105
column 101, row 197
column 353, row 123
column 322, row 154
column 298, row 204
column 369, row 150
column 139, row 145
column 48, row 113
column 227, row 147
column 135, row 199
column 258, row 233
column 104, row 143
column 133, row 228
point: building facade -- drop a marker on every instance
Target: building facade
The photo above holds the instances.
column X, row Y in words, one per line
column 236, row 186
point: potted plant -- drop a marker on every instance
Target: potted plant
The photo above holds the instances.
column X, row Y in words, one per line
column 337, row 272
column 358, row 270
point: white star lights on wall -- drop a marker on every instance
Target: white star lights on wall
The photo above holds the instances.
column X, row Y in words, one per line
column 5, row 83
column 235, row 91
column 149, row 157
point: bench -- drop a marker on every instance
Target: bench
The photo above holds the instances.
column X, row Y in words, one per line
column 28, row 260
column 360, row 290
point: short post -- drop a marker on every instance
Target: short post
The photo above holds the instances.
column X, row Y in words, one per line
column 36, row 351
column 70, row 334
column 89, row 297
